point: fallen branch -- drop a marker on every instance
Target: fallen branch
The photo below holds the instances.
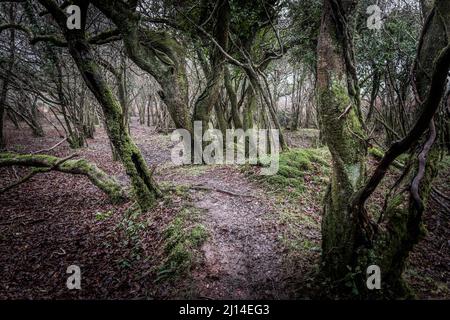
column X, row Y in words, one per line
column 35, row 171
column 45, row 163
column 202, row 187
column 51, row 148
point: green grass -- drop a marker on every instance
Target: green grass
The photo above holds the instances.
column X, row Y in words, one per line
column 182, row 239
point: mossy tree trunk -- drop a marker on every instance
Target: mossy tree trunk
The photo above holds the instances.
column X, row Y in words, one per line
column 3, row 93
column 338, row 123
column 231, row 92
column 249, row 108
column 405, row 212
column 155, row 52
column 351, row 241
column 144, row 187
column 268, row 102
column 6, row 79
column 215, row 73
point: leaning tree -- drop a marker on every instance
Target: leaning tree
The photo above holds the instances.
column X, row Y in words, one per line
column 78, row 42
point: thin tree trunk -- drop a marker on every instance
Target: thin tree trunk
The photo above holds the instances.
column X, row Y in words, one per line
column 5, row 82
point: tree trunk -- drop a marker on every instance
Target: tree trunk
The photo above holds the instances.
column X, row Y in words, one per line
column 144, row 186
column 338, row 121
column 351, row 240
column 3, row 94
column 156, row 52
column 5, row 82
column 214, row 76
column 233, row 100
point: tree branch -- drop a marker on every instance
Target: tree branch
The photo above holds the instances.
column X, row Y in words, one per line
column 429, row 108
column 44, row 163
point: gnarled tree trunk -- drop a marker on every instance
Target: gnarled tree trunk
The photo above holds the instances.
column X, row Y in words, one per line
column 338, row 122
column 351, row 240
column 144, row 187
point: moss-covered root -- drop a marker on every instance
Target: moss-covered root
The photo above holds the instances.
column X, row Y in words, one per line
column 81, row 166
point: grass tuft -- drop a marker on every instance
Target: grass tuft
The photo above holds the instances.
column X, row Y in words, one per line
column 182, row 239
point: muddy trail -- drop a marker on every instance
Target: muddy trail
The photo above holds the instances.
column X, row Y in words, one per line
column 242, row 256
column 258, row 245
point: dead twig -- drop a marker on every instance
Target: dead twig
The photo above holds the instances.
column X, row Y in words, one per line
column 345, row 111
column 51, row 148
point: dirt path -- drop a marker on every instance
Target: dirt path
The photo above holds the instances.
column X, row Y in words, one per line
column 242, row 256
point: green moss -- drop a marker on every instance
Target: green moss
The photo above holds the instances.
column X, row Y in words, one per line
column 379, row 154
column 182, row 239
column 295, row 166
column 341, row 128
column 101, row 216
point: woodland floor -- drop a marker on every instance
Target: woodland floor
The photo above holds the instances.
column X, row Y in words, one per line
column 218, row 233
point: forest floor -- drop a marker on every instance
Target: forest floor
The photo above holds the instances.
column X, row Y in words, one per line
column 220, row 232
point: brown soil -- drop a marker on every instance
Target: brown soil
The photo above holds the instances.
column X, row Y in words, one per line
column 51, row 222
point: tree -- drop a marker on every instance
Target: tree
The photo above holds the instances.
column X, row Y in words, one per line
column 351, row 239
column 144, row 186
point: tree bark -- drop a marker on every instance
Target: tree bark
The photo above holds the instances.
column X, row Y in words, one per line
column 338, row 121
column 5, row 82
column 144, row 187
column 82, row 167
column 233, row 100
column 351, row 240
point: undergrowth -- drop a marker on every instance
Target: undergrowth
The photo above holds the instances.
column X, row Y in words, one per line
column 182, row 238
column 297, row 167
column 298, row 190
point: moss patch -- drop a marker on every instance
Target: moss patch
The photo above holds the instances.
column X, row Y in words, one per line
column 296, row 168
column 379, row 154
column 183, row 236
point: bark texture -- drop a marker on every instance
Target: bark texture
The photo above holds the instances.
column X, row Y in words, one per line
column 81, row 166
